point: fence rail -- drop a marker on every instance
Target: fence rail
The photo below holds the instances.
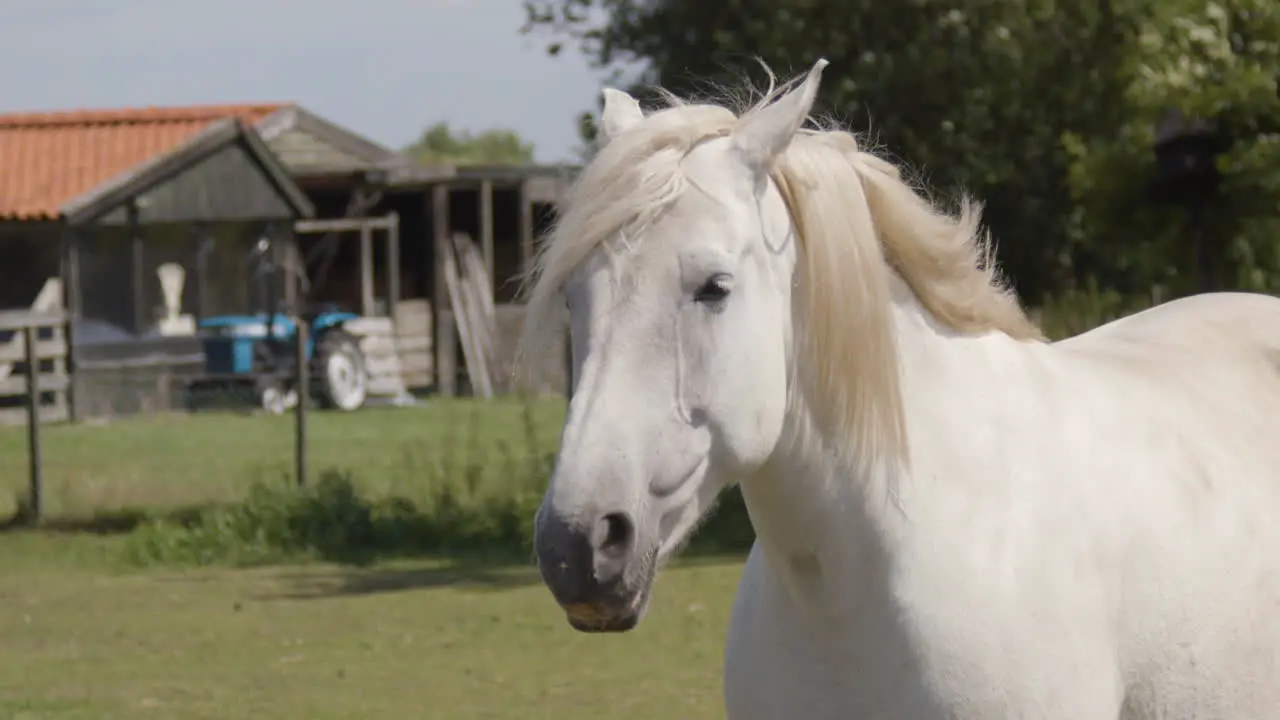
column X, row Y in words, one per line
column 25, row 346
column 45, row 330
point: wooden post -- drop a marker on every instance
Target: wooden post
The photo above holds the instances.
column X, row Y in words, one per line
column 393, row 264
column 486, row 229
column 526, row 228
column 139, row 270
column 290, row 258
column 446, row 350
column 303, row 388
column 292, row 280
column 204, row 246
column 73, row 302
column 31, row 336
column 366, row 271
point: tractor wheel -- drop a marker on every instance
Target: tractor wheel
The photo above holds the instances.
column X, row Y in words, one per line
column 342, row 381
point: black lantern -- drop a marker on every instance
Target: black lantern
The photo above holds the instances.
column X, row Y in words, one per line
column 1187, row 175
column 1186, row 159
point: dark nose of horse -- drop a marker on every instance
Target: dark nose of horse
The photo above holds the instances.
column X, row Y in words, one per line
column 585, row 564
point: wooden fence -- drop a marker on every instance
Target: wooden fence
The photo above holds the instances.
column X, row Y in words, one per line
column 37, row 342
column 48, row 353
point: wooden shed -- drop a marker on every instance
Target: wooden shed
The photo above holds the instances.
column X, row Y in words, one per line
column 103, row 199
column 353, row 182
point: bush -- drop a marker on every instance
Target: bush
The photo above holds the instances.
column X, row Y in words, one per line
column 464, row 513
column 333, row 522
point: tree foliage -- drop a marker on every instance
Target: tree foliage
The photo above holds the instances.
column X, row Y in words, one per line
column 1214, row 61
column 1043, row 109
column 444, row 145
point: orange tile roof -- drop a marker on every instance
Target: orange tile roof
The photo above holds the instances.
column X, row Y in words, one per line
column 49, row 158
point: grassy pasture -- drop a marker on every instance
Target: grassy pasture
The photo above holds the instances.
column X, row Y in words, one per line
column 84, row 640
column 88, row 634
column 170, row 461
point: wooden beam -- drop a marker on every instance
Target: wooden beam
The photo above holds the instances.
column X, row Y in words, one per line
column 45, row 382
column 19, row 319
column 366, row 271
column 139, row 269
column 526, row 229
column 290, row 258
column 73, row 302
column 344, row 224
column 204, row 246
column 16, row 349
column 36, row 491
column 446, row 353
column 545, row 189
column 393, row 265
column 486, row 227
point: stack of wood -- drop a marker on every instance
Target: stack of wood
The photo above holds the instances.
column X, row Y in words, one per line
column 377, row 338
column 471, row 297
column 413, row 340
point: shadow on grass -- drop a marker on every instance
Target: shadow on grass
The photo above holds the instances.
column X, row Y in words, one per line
column 356, row 582
column 120, row 521
column 470, row 574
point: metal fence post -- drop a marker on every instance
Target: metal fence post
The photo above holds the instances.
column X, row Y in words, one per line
column 31, row 336
column 303, row 389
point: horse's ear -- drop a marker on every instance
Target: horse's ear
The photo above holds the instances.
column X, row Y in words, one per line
column 763, row 135
column 621, row 111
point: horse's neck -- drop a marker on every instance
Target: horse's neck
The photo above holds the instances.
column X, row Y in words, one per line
column 812, row 509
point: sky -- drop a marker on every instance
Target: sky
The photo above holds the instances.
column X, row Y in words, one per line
column 386, row 69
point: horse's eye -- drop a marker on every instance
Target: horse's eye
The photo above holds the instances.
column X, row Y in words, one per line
column 714, row 290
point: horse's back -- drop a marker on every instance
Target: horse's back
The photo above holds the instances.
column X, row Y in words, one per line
column 1213, row 359
column 1243, row 325
column 1200, row 377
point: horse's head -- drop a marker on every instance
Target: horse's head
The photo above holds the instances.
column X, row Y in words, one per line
column 675, row 257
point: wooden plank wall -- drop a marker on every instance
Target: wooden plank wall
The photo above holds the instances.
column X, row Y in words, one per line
column 414, row 337
column 550, row 369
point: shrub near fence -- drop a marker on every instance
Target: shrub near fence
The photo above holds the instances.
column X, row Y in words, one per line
column 451, row 477
column 335, row 520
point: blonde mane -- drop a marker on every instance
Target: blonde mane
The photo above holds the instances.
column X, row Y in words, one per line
column 856, row 220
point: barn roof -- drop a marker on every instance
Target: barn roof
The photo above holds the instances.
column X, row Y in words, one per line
column 54, row 162
column 51, row 159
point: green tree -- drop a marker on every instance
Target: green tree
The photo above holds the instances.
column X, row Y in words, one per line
column 975, row 94
column 444, row 145
column 1213, row 60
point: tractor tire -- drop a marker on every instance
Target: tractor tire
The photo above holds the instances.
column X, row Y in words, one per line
column 341, row 380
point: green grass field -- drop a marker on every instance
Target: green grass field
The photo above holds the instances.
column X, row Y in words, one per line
column 423, row 639
column 174, row 460
column 88, row 635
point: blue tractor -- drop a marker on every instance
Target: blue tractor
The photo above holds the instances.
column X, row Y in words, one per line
column 258, row 351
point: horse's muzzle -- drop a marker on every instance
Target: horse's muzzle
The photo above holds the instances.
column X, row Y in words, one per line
column 593, row 571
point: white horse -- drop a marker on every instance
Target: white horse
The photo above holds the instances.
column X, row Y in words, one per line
column 954, row 517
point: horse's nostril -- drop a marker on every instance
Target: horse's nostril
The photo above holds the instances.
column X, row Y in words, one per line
column 614, row 534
